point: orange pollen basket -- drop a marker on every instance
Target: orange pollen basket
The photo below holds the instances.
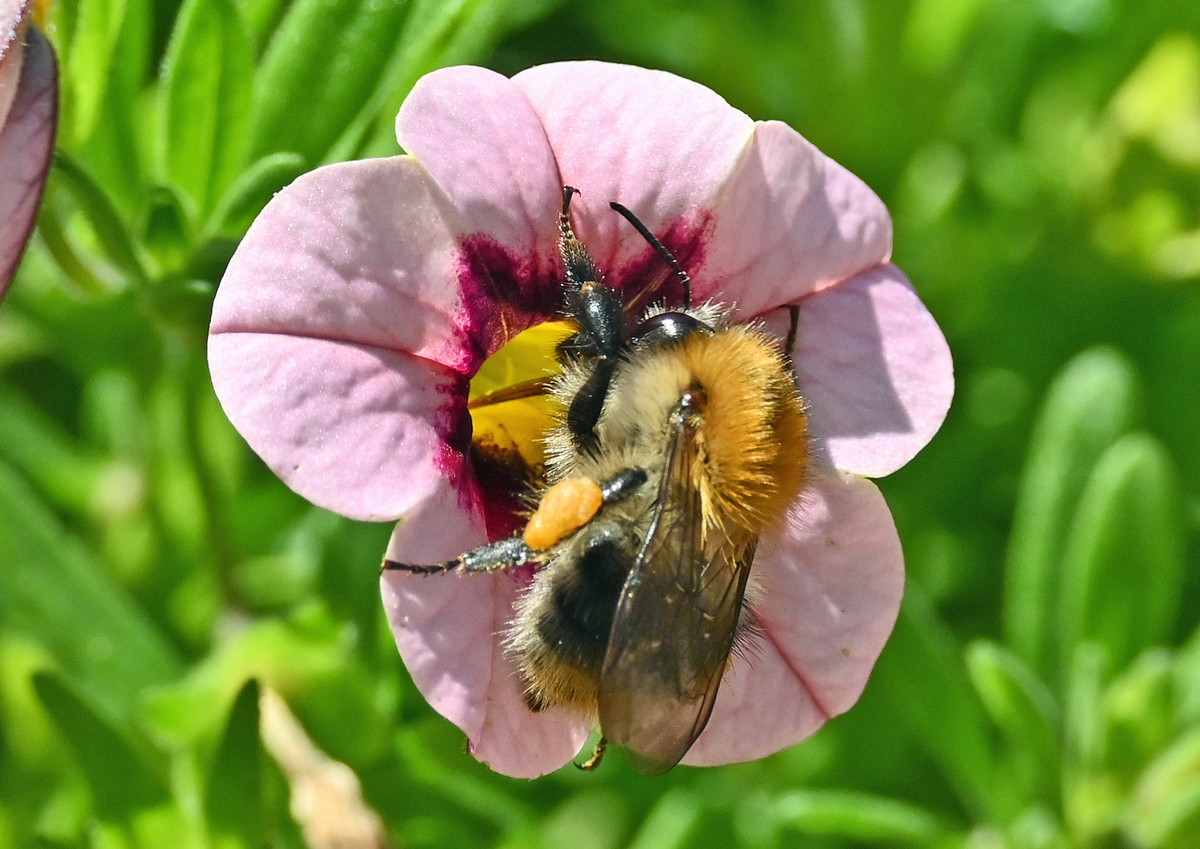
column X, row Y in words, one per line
column 566, row 507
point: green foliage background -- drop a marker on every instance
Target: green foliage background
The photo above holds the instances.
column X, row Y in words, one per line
column 1042, row 689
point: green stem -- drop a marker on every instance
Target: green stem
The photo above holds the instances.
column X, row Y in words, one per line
column 193, row 374
column 65, row 255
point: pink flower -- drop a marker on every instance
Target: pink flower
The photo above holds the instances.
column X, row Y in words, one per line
column 367, row 295
column 28, row 113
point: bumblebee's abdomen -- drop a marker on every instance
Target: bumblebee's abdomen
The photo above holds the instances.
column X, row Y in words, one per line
column 582, row 602
column 562, row 633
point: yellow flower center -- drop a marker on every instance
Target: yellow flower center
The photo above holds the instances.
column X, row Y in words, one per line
column 510, row 411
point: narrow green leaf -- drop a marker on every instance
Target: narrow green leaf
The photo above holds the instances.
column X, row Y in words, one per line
column 339, row 710
column 52, row 590
column 599, row 813
column 101, row 213
column 1140, row 707
column 527, row 13
column 1123, row 562
column 61, row 19
column 168, row 231
column 209, row 260
column 437, row 30
column 429, row 756
column 922, row 674
column 937, row 30
column 69, row 474
column 262, row 17
column 1165, row 809
column 98, row 25
column 1083, row 718
column 859, row 816
column 117, row 150
column 1092, row 401
column 182, row 302
column 111, row 415
column 322, row 64
column 1187, row 679
column 207, row 82
column 121, row 778
column 437, row 33
column 1089, row 797
column 1023, row 708
column 251, row 191
column 233, row 801
column 70, row 260
column 671, row 822
column 271, row 651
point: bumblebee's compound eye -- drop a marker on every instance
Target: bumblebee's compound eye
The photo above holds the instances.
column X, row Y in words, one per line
column 566, row 507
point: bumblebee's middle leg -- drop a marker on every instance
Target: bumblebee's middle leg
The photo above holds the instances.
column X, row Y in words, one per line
column 492, row 557
column 516, row 551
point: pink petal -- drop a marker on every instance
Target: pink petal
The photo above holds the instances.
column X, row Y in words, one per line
column 661, row 145
column 792, row 222
column 26, row 139
column 449, row 631
column 363, row 431
column 482, row 142
column 874, row 369
column 827, row 594
column 362, row 252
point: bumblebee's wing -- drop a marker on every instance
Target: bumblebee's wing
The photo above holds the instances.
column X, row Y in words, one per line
column 675, row 621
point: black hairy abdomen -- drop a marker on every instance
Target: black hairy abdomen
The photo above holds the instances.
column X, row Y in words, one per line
column 583, row 601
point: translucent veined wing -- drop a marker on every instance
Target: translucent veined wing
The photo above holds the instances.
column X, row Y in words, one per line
column 675, row 621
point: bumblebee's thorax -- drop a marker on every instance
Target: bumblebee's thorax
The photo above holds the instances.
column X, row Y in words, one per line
column 751, row 406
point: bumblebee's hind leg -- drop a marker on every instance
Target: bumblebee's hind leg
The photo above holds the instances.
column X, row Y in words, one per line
column 493, row 557
column 597, row 755
column 793, row 329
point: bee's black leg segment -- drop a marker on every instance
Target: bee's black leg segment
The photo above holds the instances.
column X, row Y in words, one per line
column 597, row 755
column 568, row 193
column 585, row 408
column 588, row 306
column 418, row 569
column 600, row 337
column 493, row 557
column 622, row 485
column 794, row 312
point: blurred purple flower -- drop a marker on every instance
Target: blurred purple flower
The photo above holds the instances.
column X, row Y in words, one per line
column 367, row 295
column 28, row 114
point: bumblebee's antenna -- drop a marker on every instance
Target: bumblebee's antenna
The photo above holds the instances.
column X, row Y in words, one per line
column 661, row 249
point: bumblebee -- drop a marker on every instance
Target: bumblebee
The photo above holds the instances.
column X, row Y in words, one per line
column 681, row 438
